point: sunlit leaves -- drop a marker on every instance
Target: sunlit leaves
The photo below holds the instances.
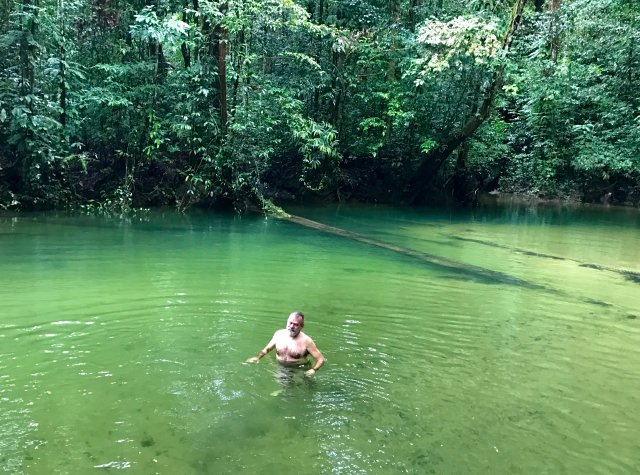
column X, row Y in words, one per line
column 303, row 59
column 312, row 87
column 427, row 145
column 450, row 44
column 169, row 30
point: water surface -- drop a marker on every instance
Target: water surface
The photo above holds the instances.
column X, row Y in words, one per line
column 121, row 343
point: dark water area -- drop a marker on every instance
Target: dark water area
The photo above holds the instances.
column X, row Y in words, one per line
column 122, row 342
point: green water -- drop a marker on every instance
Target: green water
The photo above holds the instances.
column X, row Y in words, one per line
column 121, row 343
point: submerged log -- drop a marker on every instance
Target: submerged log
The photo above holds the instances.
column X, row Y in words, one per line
column 458, row 269
column 627, row 274
column 462, row 270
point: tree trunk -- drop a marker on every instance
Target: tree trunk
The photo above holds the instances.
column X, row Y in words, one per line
column 62, row 72
column 435, row 158
column 161, row 64
column 196, row 49
column 554, row 43
column 413, row 10
column 184, row 49
column 220, row 52
column 338, row 87
column 240, row 51
column 630, row 65
column 316, row 108
column 27, row 49
column 222, row 83
column 480, row 274
column 186, row 55
column 63, row 92
column 464, row 186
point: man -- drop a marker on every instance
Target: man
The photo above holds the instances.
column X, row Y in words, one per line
column 293, row 346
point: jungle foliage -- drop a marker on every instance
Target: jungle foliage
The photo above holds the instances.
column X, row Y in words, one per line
column 118, row 104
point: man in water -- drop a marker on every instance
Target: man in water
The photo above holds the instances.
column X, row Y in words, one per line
column 293, row 346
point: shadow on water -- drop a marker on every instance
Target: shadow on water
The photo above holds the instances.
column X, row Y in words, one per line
column 466, row 272
column 628, row 275
column 453, row 268
column 597, row 302
column 632, row 276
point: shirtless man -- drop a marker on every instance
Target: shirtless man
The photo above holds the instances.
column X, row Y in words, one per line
column 292, row 346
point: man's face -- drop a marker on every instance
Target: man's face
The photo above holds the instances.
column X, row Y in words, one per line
column 294, row 325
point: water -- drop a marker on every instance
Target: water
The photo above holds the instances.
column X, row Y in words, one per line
column 121, row 343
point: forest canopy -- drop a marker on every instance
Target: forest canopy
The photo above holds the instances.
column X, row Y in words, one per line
column 117, row 104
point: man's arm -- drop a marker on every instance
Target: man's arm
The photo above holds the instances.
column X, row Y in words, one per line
column 270, row 346
column 315, row 352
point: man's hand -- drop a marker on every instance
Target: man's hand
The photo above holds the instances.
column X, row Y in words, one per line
column 310, row 373
column 255, row 359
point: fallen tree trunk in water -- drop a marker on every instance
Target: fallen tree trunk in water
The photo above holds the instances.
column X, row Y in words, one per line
column 466, row 271
column 458, row 269
column 627, row 274
column 462, row 271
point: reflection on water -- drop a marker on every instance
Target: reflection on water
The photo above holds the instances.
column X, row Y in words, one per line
column 121, row 343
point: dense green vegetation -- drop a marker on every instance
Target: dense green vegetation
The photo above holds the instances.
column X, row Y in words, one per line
column 114, row 104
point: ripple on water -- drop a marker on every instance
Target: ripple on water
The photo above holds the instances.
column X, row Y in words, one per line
column 132, row 356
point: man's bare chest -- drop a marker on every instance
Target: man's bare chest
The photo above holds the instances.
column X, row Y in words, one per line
column 291, row 348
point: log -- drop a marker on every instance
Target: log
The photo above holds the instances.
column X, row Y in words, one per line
column 466, row 271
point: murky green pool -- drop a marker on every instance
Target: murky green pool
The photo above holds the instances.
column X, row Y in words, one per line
column 121, row 343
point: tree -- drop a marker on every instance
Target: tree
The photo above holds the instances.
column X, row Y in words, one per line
column 124, row 104
column 572, row 104
column 476, row 47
